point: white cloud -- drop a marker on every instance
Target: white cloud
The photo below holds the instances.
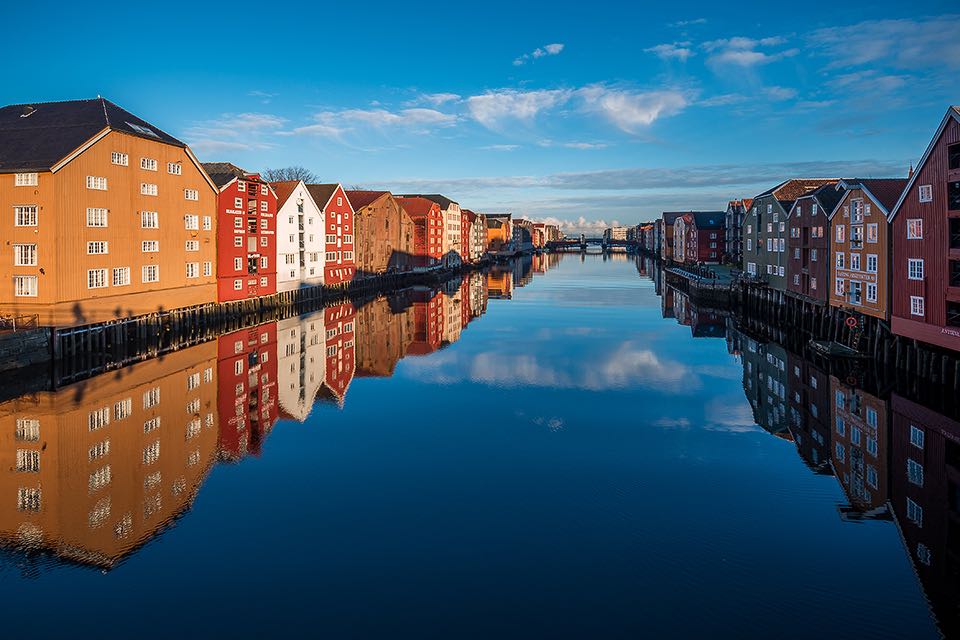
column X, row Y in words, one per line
column 630, row 111
column 501, row 147
column 780, row 93
column 903, row 44
column 234, row 132
column 437, row 99
column 265, row 97
column 745, row 52
column 539, row 52
column 493, row 108
column 687, row 23
column 675, row 51
column 334, row 124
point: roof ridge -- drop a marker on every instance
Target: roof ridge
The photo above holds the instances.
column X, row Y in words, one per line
column 103, row 105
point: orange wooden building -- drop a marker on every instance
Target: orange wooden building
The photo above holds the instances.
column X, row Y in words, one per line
column 110, row 217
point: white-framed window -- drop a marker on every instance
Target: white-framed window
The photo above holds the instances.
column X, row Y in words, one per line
column 237, row 285
column 238, row 203
column 24, row 255
column 193, row 269
column 121, row 276
column 926, row 193
column 121, row 159
column 207, row 269
column 241, row 186
column 839, row 287
column 263, row 190
column 28, row 461
column 348, row 255
column 25, row 180
column 151, row 398
column 871, row 292
column 813, row 255
column 29, row 498
column 25, row 286
column 191, row 222
column 263, row 262
column 151, row 453
column 238, row 241
column 915, row 229
column 96, row 217
column 148, row 189
column 872, row 447
column 915, row 268
column 263, row 282
column 855, row 261
column 192, row 245
column 148, row 164
column 150, row 246
column 873, row 232
column 263, row 241
column 237, row 264
column 872, row 262
column 25, row 215
column 238, row 223
column 97, row 247
column 150, row 273
column 841, row 233
column 191, row 194
column 813, row 210
column 149, row 220
column 914, row 472
column 207, row 223
column 916, row 436
column 917, row 306
column 263, row 206
column 96, row 278
column 174, row 168
column 97, row 183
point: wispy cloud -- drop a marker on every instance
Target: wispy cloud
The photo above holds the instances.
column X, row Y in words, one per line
column 437, row 99
column 746, row 52
column 501, row 147
column 334, row 124
column 539, row 52
column 265, row 97
column 234, row 132
column 493, row 108
column 929, row 42
column 687, row 23
column 630, row 111
column 674, row 51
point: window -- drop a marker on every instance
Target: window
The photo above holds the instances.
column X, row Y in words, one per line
column 192, row 245
column 871, row 263
column 916, row 436
column 28, row 430
column 151, row 398
column 840, row 452
column 855, row 261
column 263, row 189
column 96, row 217
column 149, row 220
column 841, row 233
column 872, row 448
column 916, row 306
column 151, row 453
column 97, row 248
column 191, row 194
column 25, row 255
column 207, row 269
column 871, row 292
column 25, row 286
column 873, row 233
column 263, row 282
column 237, row 264
column 148, row 189
column 238, row 241
column 238, row 203
column 813, row 210
column 207, row 223
column 121, row 276
column 148, row 164
column 25, row 216
column 241, row 185
column 96, row 182
column 121, row 159
column 263, row 262
column 25, row 180
column 264, row 241
column 915, row 269
column 926, row 193
column 237, row 285
column 914, row 472
column 872, row 417
column 915, row 229
column 28, row 499
column 193, row 269
column 263, row 206
column 923, row 554
column 839, row 289
column 840, row 260
column 150, row 246
column 151, row 273
column 96, row 278
column 174, row 168
column 191, row 222
column 238, row 223
column 813, row 255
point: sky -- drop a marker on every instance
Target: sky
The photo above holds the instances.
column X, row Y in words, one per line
column 585, row 114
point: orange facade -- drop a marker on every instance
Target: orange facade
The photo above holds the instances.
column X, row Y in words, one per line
column 102, row 237
column 859, row 255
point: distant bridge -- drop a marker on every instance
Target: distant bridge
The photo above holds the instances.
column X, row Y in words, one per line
column 582, row 242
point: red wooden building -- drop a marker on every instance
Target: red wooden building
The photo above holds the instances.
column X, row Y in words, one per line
column 340, row 264
column 704, row 241
column 808, row 243
column 247, row 389
column 428, row 229
column 925, row 225
column 246, row 233
column 428, row 322
column 340, row 323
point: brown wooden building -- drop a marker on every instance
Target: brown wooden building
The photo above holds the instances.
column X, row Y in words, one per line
column 384, row 232
column 925, row 224
column 860, row 246
column 860, row 448
column 109, row 216
column 808, row 244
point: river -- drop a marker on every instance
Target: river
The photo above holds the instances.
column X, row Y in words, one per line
column 560, row 449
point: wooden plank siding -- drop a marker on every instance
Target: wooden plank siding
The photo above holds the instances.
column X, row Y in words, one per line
column 933, row 248
column 873, row 214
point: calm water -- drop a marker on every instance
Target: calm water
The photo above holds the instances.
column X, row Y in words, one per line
column 547, row 452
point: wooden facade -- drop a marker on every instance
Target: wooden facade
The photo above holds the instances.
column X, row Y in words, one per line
column 925, row 225
column 247, row 377
column 428, row 221
column 339, row 260
column 860, row 447
column 301, row 246
column 808, row 244
column 384, row 233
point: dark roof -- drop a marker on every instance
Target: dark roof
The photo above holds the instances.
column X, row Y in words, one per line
column 886, row 190
column 789, row 190
column 669, row 217
column 284, row 190
column 322, row 193
column 498, row 216
column 709, row 219
column 443, row 201
column 223, row 172
column 361, row 199
column 416, row 206
column 37, row 136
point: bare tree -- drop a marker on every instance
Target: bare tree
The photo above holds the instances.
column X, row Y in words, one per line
column 290, row 173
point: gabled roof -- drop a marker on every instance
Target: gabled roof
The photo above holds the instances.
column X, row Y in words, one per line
column 883, row 191
column 360, row 199
column 321, row 193
column 471, row 216
column 441, row 200
column 223, row 173
column 284, row 190
column 709, row 219
column 669, row 217
column 36, row 137
column 416, row 206
column 827, row 196
column 789, row 190
column 952, row 112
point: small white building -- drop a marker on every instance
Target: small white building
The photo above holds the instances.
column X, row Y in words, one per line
column 301, row 245
column 301, row 363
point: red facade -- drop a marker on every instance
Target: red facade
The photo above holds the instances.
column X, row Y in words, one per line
column 925, row 226
column 427, row 322
column 466, row 220
column 246, row 239
column 340, row 324
column 428, row 229
column 808, row 245
column 247, row 389
column 705, row 236
column 340, row 265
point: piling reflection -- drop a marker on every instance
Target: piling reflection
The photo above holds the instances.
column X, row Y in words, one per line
column 893, row 446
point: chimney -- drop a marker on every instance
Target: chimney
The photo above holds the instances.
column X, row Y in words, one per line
column 910, row 172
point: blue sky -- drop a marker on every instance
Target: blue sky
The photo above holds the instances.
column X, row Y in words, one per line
column 591, row 114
